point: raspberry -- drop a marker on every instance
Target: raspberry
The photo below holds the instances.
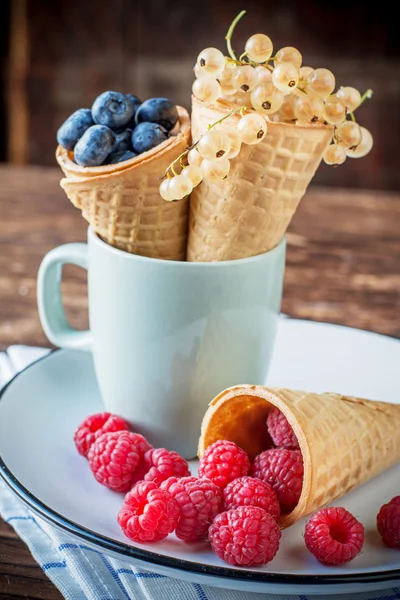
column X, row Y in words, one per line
column 199, row 501
column 248, row 491
column 114, row 457
column 334, row 536
column 93, row 427
column 223, row 462
column 148, row 513
column 388, row 521
column 245, row 536
column 280, row 431
column 159, row 464
column 283, row 470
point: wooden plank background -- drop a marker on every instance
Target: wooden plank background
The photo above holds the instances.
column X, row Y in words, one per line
column 62, row 54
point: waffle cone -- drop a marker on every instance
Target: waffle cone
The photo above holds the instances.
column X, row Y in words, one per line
column 345, row 441
column 122, row 202
column 249, row 211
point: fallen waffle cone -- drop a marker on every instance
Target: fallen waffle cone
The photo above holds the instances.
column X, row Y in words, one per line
column 345, row 441
column 249, row 211
column 123, row 204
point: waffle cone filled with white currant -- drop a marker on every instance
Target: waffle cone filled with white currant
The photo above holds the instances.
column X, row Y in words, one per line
column 261, row 125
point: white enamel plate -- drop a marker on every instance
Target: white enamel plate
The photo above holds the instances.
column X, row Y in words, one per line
column 42, row 406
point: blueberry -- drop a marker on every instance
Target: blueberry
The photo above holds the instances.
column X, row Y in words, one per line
column 94, row 146
column 146, row 136
column 74, row 127
column 117, row 157
column 123, row 140
column 113, row 109
column 158, row 110
column 135, row 101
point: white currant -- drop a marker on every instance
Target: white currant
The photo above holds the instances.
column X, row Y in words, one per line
column 194, row 157
column 308, row 109
column 226, row 80
column 305, row 72
column 334, row 110
column 349, row 134
column 252, row 128
column 206, row 89
column 350, row 96
column 363, row 147
column 265, row 98
column 180, row 186
column 214, row 145
column 287, row 110
column 285, row 77
column 210, row 62
column 195, row 174
column 259, row 48
column 234, row 139
column 263, row 74
column 165, row 191
column 245, row 78
column 214, row 171
column 321, row 82
column 334, row 154
column 290, row 55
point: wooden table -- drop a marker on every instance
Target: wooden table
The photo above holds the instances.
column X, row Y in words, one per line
column 343, row 266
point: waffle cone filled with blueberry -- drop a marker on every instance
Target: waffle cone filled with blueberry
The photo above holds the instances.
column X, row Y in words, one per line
column 112, row 172
column 341, row 441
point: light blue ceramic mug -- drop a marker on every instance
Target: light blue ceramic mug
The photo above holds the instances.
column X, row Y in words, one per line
column 167, row 336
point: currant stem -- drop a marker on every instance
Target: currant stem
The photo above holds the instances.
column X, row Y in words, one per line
column 228, row 36
column 180, row 158
column 232, row 61
column 366, row 96
column 352, row 117
column 232, row 112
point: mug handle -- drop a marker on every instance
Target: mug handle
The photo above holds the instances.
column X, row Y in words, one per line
column 51, row 310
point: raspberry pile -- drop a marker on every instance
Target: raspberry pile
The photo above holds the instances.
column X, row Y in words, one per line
column 93, row 427
column 159, row 464
column 199, row 501
column 148, row 514
column 248, row 491
column 260, row 87
column 223, row 462
column 245, row 536
column 283, row 469
column 334, row 536
column 388, row 522
column 280, row 430
column 237, row 513
column 119, row 458
column 114, row 458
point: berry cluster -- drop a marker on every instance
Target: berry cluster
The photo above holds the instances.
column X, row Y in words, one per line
column 117, row 128
column 237, row 513
column 118, row 457
column 262, row 87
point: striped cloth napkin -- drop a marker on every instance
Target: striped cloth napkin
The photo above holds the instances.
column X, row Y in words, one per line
column 80, row 572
